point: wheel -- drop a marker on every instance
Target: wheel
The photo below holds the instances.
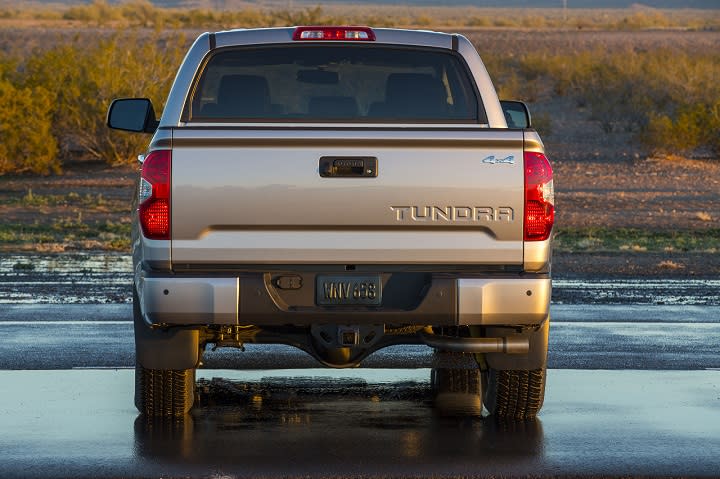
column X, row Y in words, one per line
column 515, row 395
column 160, row 392
column 164, row 392
column 456, row 384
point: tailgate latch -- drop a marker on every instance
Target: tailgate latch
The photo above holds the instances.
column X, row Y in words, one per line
column 348, row 167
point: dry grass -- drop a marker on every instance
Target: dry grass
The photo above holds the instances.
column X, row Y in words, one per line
column 141, row 13
column 670, row 265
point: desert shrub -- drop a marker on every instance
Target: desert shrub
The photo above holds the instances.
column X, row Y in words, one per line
column 521, row 77
column 694, row 127
column 643, row 20
column 533, row 21
column 137, row 13
column 478, row 21
column 82, row 82
column 666, row 96
column 503, row 71
column 306, row 16
column 542, row 122
column 224, row 19
column 504, row 22
column 380, row 21
column 98, row 12
column 142, row 13
column 25, row 122
column 423, row 20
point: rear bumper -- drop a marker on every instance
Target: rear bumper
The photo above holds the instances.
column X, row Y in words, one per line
column 184, row 301
column 503, row 301
column 493, row 301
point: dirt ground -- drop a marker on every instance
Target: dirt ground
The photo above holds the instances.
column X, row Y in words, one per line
column 102, row 194
column 653, row 194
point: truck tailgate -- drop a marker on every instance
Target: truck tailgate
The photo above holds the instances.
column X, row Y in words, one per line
column 256, row 196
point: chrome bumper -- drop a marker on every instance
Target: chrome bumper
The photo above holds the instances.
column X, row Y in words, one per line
column 189, row 300
column 503, row 301
column 183, row 301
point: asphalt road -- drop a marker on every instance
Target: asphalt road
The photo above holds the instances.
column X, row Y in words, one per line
column 633, row 390
column 582, row 337
column 595, row 423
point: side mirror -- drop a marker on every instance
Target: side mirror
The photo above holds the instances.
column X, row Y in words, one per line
column 132, row 114
column 516, row 114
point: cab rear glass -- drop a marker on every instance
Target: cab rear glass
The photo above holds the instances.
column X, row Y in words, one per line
column 341, row 83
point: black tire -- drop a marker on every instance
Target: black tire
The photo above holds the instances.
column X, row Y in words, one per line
column 457, row 385
column 516, row 395
column 460, row 381
column 161, row 392
column 164, row 392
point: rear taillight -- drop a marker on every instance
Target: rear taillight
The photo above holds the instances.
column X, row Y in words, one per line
column 362, row 34
column 539, row 197
column 154, row 195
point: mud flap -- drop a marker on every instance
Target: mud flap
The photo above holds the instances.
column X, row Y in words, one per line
column 164, row 349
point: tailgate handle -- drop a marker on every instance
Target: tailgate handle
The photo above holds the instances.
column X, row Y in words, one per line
column 348, row 167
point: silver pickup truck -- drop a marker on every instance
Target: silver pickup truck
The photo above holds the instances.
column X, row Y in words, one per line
column 341, row 190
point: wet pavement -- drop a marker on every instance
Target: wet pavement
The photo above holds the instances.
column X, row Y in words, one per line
column 65, row 278
column 581, row 337
column 633, row 390
column 92, row 278
column 82, row 424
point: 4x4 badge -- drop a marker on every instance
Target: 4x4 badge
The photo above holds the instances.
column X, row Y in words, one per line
column 510, row 160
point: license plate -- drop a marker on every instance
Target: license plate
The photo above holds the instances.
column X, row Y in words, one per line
column 346, row 289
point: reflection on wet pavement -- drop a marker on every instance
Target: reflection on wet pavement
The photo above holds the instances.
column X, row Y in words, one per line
column 333, row 425
column 339, row 437
column 357, row 423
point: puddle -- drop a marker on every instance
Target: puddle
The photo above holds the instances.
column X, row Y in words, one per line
column 705, row 292
column 66, row 264
column 66, row 278
column 106, row 278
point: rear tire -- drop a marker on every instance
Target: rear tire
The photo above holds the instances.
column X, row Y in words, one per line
column 457, row 385
column 161, row 392
column 164, row 392
column 516, row 395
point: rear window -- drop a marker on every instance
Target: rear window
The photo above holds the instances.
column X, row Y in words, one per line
column 335, row 83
